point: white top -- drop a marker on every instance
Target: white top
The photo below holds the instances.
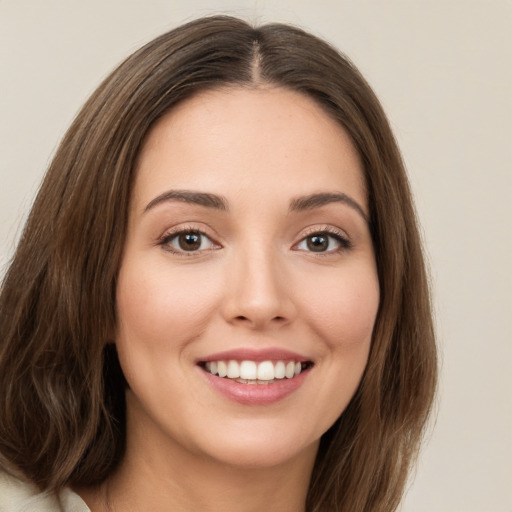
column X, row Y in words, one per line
column 18, row 496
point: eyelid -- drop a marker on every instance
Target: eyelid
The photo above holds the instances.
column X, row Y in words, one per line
column 175, row 231
column 332, row 231
column 340, row 235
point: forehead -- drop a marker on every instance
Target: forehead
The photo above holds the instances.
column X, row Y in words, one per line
column 266, row 139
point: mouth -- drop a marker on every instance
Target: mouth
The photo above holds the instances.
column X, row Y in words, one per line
column 256, row 372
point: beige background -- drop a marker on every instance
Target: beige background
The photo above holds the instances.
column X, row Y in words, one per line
column 443, row 70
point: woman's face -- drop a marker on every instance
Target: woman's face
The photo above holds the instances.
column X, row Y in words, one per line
column 248, row 252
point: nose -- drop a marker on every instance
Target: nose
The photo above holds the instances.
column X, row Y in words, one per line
column 258, row 294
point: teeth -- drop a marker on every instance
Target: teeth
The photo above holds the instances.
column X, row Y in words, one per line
column 222, row 369
column 255, row 381
column 250, row 372
column 280, row 370
column 266, row 371
column 290, row 370
column 233, row 370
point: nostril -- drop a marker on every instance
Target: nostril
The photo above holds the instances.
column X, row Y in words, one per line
column 276, row 318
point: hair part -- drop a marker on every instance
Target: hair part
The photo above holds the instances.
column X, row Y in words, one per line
column 61, row 387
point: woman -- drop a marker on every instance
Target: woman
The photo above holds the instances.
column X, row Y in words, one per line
column 219, row 300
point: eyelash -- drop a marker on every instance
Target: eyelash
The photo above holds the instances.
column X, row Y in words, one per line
column 338, row 236
column 344, row 243
column 164, row 242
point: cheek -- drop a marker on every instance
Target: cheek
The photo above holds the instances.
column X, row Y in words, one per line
column 155, row 305
column 343, row 310
column 342, row 315
column 337, row 311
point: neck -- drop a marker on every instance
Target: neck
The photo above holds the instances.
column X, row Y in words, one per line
column 207, row 487
column 160, row 475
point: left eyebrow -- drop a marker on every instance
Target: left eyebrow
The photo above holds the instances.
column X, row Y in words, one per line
column 187, row 196
column 312, row 201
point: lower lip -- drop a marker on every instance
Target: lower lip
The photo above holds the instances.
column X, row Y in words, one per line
column 255, row 394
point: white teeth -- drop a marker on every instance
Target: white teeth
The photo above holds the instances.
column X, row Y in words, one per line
column 233, row 370
column 222, row 369
column 250, row 372
column 290, row 370
column 254, row 381
column 266, row 370
column 279, row 370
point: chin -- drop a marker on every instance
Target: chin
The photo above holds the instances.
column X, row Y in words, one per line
column 259, row 452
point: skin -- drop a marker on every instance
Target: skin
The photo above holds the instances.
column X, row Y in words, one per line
column 254, row 283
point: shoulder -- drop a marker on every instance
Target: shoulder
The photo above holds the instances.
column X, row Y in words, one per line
column 19, row 496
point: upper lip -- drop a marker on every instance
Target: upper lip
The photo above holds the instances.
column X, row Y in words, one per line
column 257, row 355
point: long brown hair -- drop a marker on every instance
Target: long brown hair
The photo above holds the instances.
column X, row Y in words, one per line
column 61, row 388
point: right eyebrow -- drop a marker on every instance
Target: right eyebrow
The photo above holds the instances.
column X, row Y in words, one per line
column 313, row 201
column 188, row 196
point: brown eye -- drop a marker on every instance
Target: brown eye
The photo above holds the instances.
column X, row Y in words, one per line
column 323, row 242
column 188, row 242
column 317, row 243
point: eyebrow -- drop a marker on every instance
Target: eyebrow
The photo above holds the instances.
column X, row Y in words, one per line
column 313, row 201
column 299, row 204
column 191, row 197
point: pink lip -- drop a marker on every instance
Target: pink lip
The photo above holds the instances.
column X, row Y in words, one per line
column 255, row 394
column 257, row 355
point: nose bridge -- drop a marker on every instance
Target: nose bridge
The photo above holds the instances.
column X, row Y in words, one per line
column 257, row 293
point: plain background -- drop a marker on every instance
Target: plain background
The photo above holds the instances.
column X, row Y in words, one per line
column 443, row 71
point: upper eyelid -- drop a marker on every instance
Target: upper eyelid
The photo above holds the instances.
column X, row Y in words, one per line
column 214, row 237
column 331, row 230
column 190, row 227
column 164, row 242
column 343, row 238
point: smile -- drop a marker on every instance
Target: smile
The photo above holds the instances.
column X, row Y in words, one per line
column 253, row 372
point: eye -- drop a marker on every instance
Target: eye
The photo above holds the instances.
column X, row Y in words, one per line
column 323, row 242
column 187, row 241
